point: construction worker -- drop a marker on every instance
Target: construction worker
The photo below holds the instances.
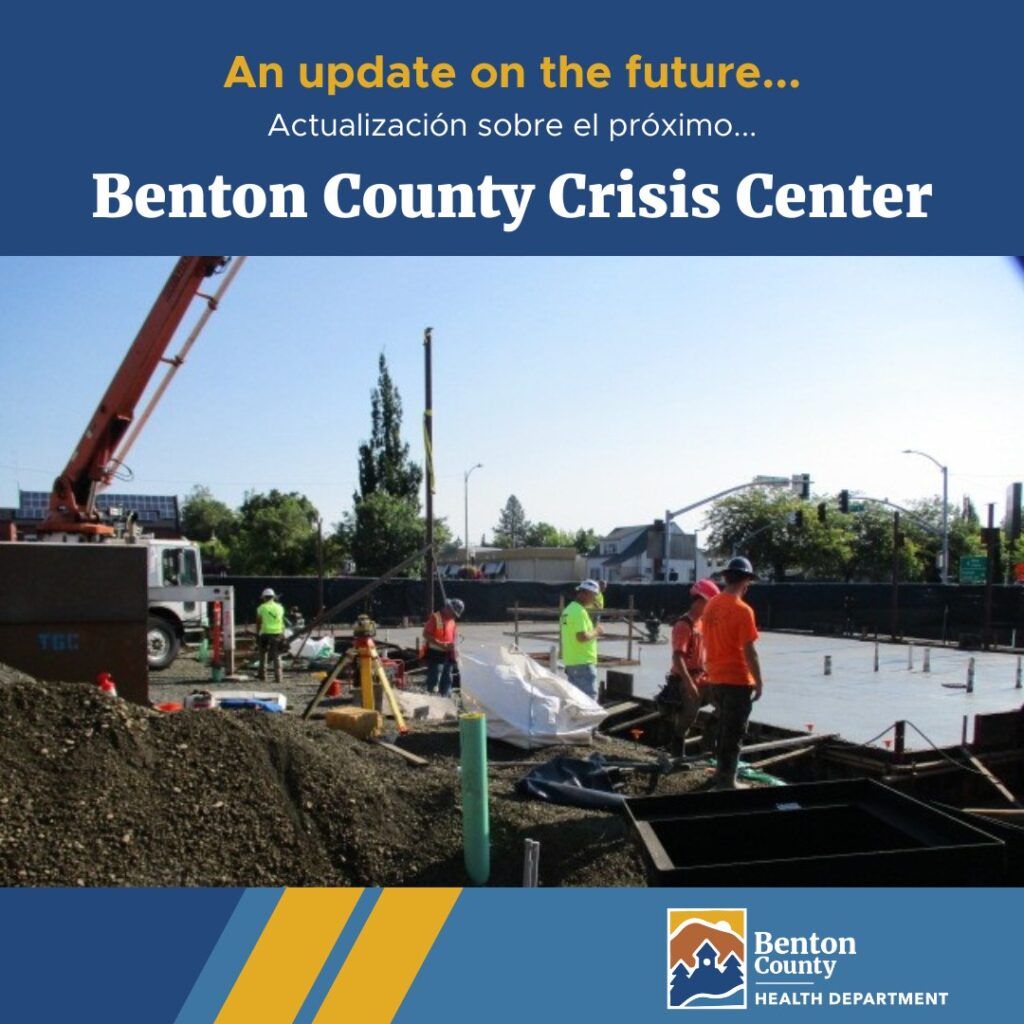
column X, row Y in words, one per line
column 270, row 633
column 733, row 668
column 579, row 639
column 599, row 596
column 441, row 633
column 685, row 691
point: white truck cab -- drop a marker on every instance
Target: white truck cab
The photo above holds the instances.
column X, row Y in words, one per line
column 172, row 563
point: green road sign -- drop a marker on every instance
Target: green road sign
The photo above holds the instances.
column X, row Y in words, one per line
column 857, row 506
column 972, row 568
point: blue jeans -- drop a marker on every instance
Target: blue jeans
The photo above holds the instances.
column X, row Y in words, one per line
column 439, row 672
column 583, row 677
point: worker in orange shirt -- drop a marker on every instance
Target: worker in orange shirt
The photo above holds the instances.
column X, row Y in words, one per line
column 685, row 691
column 440, row 632
column 733, row 668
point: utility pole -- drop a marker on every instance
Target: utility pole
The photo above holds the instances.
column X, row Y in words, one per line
column 428, row 445
column 320, row 565
column 991, row 548
column 945, row 507
column 895, row 612
column 465, row 494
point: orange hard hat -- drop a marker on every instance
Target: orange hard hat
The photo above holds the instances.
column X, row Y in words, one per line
column 704, row 588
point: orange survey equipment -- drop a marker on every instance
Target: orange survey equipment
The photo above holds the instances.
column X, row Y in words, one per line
column 92, row 464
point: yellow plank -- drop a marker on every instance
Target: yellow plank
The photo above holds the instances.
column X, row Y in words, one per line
column 288, row 957
column 387, row 956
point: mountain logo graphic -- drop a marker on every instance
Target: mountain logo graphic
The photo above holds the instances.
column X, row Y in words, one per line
column 707, row 959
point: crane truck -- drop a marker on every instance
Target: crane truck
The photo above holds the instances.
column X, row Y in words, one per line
column 73, row 517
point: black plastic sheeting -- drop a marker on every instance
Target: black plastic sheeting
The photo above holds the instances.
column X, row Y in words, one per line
column 929, row 611
column 579, row 783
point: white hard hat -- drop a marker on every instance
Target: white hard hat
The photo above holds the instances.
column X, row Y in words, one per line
column 269, row 592
column 456, row 606
column 590, row 585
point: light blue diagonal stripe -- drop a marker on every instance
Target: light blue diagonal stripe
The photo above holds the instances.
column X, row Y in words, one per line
column 228, row 956
column 338, row 955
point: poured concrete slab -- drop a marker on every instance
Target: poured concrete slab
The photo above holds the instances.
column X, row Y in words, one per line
column 855, row 701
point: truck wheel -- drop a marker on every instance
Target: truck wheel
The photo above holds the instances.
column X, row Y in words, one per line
column 162, row 644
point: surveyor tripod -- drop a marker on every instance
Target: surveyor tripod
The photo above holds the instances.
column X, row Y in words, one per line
column 364, row 656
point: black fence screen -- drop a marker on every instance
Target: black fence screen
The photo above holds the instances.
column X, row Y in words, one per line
column 920, row 610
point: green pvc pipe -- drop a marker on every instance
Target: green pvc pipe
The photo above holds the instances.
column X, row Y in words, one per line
column 476, row 818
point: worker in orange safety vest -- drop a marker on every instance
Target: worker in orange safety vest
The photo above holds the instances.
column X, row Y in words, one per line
column 441, row 633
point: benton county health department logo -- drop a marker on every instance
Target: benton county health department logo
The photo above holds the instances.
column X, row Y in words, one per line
column 707, row 959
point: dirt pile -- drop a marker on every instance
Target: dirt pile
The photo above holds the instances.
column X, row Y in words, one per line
column 101, row 792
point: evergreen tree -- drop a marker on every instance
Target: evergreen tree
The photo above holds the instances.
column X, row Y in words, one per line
column 680, row 989
column 512, row 525
column 732, row 973
column 385, row 526
column 384, row 463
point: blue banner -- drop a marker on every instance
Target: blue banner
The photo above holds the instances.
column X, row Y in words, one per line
column 655, row 128
column 277, row 956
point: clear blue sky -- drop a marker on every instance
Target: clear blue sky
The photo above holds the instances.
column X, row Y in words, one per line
column 599, row 390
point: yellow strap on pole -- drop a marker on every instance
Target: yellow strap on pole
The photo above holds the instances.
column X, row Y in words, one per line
column 429, row 450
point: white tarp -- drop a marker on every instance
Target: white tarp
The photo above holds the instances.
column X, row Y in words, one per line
column 314, row 647
column 526, row 704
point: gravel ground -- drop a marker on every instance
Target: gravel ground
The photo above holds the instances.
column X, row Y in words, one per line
column 101, row 792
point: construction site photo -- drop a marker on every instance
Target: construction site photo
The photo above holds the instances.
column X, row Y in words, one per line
column 273, row 611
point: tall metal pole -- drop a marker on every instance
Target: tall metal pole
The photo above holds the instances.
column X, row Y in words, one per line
column 465, row 491
column 428, row 444
column 945, row 524
column 320, row 565
column 945, row 508
column 895, row 611
column 990, row 568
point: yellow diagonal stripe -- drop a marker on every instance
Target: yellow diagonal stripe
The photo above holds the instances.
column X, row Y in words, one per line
column 387, row 956
column 288, row 957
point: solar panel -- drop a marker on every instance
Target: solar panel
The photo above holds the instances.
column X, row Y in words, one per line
column 151, row 507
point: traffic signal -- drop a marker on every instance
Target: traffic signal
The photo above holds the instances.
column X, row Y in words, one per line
column 797, row 518
column 844, row 501
column 822, row 512
column 802, row 485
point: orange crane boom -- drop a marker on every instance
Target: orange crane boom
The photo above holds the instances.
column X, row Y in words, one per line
column 73, row 497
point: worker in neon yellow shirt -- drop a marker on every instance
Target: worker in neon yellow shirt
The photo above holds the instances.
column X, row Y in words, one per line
column 270, row 633
column 579, row 639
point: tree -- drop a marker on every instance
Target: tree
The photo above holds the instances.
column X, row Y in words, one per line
column 755, row 523
column 732, row 973
column 544, row 535
column 204, row 518
column 385, row 527
column 384, row 463
column 964, row 535
column 512, row 525
column 584, row 541
column 872, row 545
column 822, row 549
column 276, row 535
column 385, row 531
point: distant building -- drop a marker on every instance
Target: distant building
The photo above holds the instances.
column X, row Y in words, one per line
column 539, row 565
column 157, row 514
column 628, row 555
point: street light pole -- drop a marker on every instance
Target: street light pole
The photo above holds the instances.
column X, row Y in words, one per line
column 758, row 481
column 465, row 491
column 945, row 507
